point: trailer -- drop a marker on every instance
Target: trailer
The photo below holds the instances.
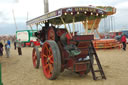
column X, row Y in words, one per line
column 27, row 38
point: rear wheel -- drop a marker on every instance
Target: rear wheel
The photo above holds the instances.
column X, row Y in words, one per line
column 51, row 59
column 36, row 57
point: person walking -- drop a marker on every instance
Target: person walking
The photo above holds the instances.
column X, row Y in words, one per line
column 9, row 43
column 7, row 49
column 1, row 49
column 19, row 47
column 15, row 44
column 123, row 41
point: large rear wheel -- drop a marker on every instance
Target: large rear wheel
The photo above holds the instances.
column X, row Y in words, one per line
column 36, row 57
column 51, row 59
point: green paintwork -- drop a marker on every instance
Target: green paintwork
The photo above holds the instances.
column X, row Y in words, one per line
column 30, row 32
column 106, row 8
column 0, row 76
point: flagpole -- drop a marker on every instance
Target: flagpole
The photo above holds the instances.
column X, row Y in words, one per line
column 14, row 19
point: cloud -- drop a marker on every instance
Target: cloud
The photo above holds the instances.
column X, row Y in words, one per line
column 9, row 1
column 3, row 17
column 122, row 5
column 20, row 10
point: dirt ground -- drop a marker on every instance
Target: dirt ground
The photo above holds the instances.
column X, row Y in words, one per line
column 18, row 70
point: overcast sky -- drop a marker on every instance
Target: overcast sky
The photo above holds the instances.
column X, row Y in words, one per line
column 35, row 8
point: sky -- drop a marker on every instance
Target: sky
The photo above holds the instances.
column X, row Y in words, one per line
column 35, row 8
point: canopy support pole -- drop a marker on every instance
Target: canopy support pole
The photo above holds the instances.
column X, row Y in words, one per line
column 31, row 28
column 65, row 26
column 14, row 20
column 92, row 28
column 37, row 26
column 69, row 27
column 73, row 25
column 86, row 32
column 40, row 25
column 98, row 33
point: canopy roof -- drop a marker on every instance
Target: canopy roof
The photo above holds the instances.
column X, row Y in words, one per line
column 78, row 13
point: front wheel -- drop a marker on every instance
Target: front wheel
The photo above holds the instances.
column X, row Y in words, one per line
column 36, row 57
column 51, row 59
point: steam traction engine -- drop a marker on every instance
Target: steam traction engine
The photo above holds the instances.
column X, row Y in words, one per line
column 64, row 48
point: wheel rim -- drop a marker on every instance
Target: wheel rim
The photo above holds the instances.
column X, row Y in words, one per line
column 47, row 60
column 34, row 57
column 51, row 34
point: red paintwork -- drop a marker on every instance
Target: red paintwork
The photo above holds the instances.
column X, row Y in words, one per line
column 28, row 44
column 68, row 36
column 36, row 43
column 34, row 58
column 51, row 34
column 60, row 31
column 114, row 34
column 47, row 60
column 71, row 62
column 123, row 39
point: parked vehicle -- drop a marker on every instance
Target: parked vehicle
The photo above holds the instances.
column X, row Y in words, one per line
column 26, row 37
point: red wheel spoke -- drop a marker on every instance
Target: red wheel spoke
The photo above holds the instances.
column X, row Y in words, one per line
column 35, row 57
column 46, row 66
column 44, row 56
column 51, row 60
column 50, row 52
column 47, row 48
column 51, row 56
column 50, row 68
column 34, row 54
column 49, row 73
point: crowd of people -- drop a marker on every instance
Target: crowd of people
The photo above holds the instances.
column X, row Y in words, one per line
column 7, row 45
column 7, row 48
